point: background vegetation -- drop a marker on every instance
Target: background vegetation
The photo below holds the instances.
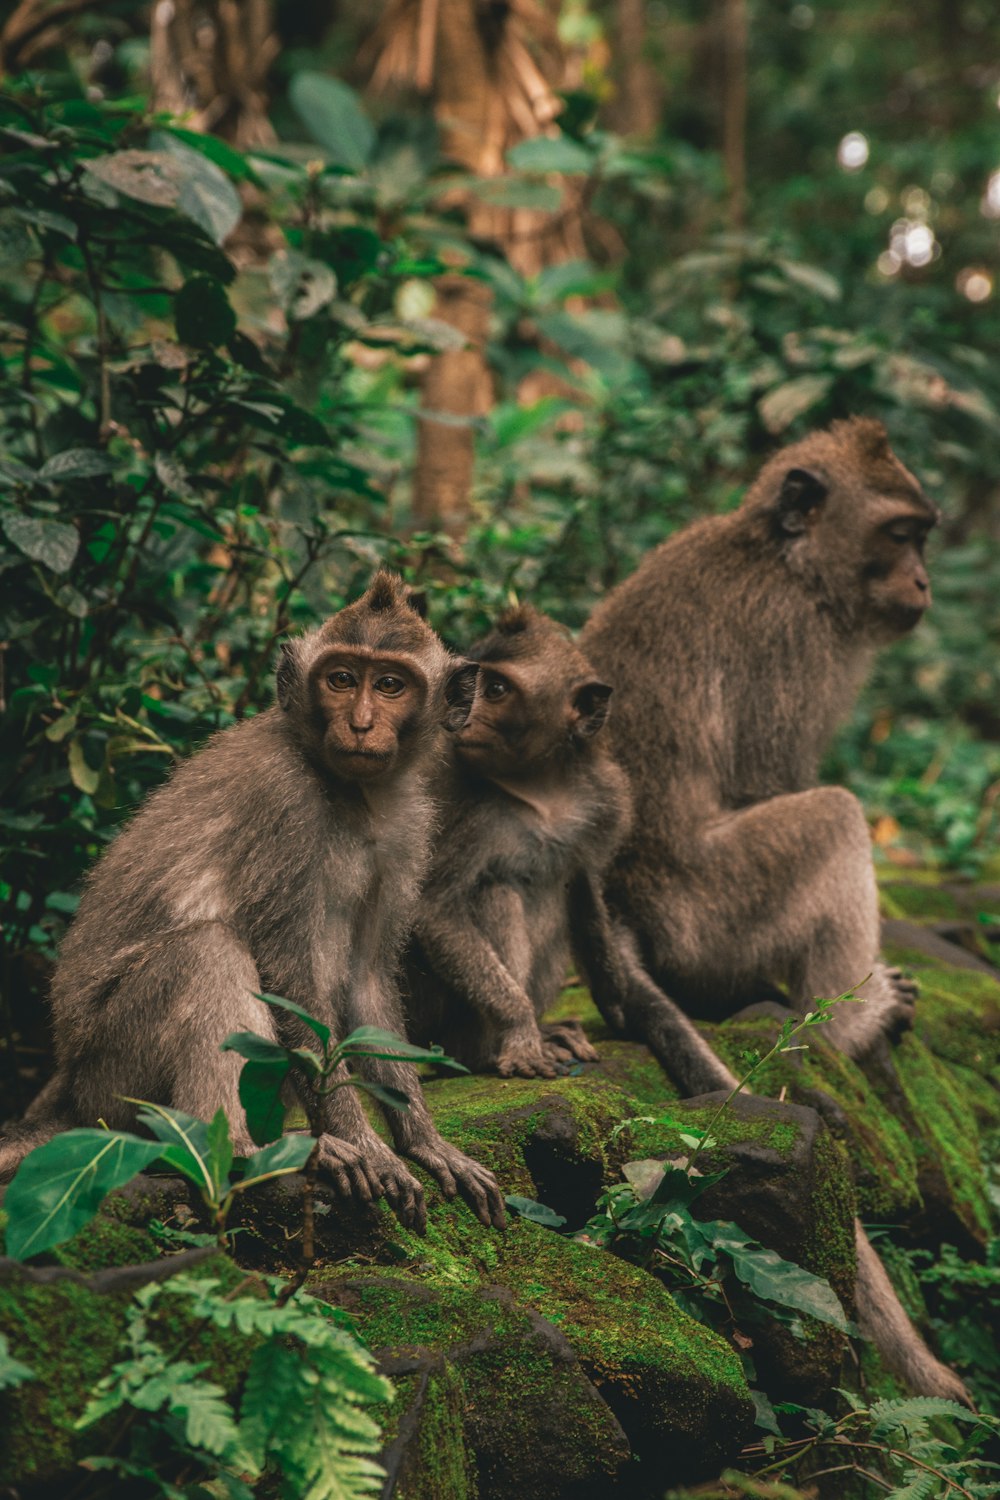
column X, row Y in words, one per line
column 501, row 295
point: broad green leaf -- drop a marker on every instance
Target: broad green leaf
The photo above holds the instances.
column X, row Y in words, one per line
column 53, row 543
column 512, row 192
column 537, row 1212
column 202, row 314
column 334, row 117
column 771, row 1277
column 185, row 1138
column 205, row 193
column 542, row 153
column 220, row 152
column 77, row 463
column 61, row 727
column 289, row 1154
column 261, row 1085
column 317, row 1027
column 256, row 1048
column 60, row 1186
column 13, row 472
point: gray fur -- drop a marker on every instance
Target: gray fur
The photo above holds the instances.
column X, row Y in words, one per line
column 258, row 868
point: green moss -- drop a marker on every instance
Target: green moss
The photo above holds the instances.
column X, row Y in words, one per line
column 881, row 1152
column 917, row 901
column 958, row 1012
column 946, row 1138
column 437, row 1463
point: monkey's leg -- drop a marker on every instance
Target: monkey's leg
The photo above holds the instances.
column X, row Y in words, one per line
column 157, row 1036
column 789, row 887
column 464, row 958
column 413, row 1130
column 628, row 998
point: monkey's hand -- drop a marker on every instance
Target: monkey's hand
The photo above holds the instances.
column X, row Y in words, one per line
column 457, row 1173
column 366, row 1174
column 523, row 1054
column 566, row 1042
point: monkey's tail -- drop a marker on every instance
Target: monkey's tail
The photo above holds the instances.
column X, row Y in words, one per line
column 882, row 1318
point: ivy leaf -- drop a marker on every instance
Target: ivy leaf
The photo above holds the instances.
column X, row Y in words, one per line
column 333, row 116
column 53, row 543
column 59, row 1186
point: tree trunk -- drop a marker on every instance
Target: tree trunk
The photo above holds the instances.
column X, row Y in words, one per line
column 212, row 57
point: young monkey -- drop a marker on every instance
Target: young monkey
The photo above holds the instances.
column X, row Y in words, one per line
column 533, row 809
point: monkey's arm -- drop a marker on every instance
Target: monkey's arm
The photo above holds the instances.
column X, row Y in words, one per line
column 625, row 994
column 464, row 959
column 413, row 1129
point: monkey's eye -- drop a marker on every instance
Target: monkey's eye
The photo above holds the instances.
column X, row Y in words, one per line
column 901, row 532
column 495, row 689
column 390, row 687
column 341, row 681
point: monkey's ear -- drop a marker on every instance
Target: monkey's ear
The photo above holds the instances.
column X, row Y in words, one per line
column 459, row 693
column 287, row 674
column 590, row 708
column 801, row 492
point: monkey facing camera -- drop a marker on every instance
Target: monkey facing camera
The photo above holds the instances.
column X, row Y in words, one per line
column 285, row 857
column 735, row 649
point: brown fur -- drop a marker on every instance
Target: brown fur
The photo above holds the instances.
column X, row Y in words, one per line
column 533, row 806
column 735, row 649
column 283, row 858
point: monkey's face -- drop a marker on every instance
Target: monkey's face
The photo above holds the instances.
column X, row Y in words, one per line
column 367, row 707
column 523, row 719
column 896, row 584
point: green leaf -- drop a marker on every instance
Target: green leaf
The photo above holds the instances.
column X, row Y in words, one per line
column 185, row 1138
column 889, row 1415
column 12, row 1371
column 13, row 472
column 61, row 727
column 542, row 153
column 202, row 314
column 205, row 193
column 261, row 1085
column 333, row 116
column 256, row 1048
column 289, row 1154
column 510, row 192
column 82, row 775
column 148, row 176
column 223, row 155
column 392, row 1098
column 774, row 1279
column 220, row 1150
column 538, row 1213
column 813, row 279
column 60, row 1186
column 77, row 463
column 372, row 1041
column 302, row 284
column 53, row 543
column 316, row 1027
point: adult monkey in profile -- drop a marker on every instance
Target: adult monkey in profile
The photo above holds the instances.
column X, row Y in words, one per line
column 285, row 857
column 735, row 648
column 533, row 807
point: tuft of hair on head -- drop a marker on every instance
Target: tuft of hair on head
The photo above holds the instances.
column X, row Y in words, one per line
column 866, row 435
column 516, row 620
column 385, row 591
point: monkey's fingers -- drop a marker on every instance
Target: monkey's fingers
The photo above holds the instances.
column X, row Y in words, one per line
column 571, row 1039
column 405, row 1197
column 345, row 1167
column 906, row 988
column 525, row 1064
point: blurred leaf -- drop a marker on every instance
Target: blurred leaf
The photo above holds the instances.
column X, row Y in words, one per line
column 53, row 543
column 202, row 314
column 782, row 406
column 541, row 153
column 334, row 117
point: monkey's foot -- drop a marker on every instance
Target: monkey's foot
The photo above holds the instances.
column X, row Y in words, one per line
column 369, row 1173
column 566, row 1042
column 456, row 1173
column 906, row 988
